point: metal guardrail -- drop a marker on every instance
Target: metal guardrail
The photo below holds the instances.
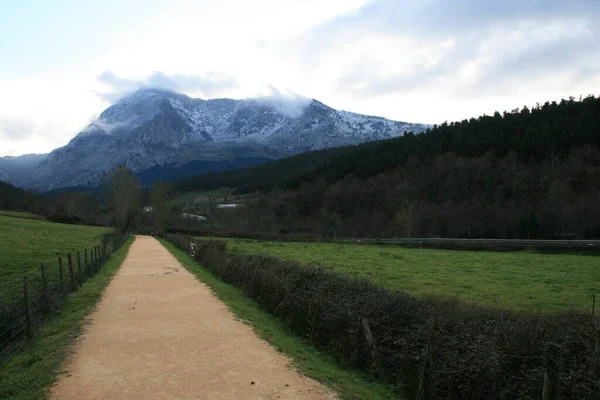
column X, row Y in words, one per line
column 485, row 243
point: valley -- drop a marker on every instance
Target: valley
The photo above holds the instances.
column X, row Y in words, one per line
column 276, row 240
column 300, row 200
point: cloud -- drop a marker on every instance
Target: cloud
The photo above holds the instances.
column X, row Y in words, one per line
column 466, row 48
column 208, row 85
column 16, row 129
column 287, row 103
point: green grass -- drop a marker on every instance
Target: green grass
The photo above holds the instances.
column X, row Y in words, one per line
column 32, row 371
column 26, row 243
column 520, row 280
column 349, row 384
column 20, row 214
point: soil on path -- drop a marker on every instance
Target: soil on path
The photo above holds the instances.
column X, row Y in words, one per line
column 158, row 333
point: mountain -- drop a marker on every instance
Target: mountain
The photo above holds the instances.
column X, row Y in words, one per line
column 17, row 169
column 154, row 128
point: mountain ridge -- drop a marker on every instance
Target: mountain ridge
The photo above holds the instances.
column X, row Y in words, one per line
column 153, row 127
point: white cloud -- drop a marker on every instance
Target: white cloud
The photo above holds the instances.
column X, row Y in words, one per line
column 286, row 102
column 209, row 85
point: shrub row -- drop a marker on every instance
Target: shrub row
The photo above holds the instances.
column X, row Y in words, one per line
column 428, row 348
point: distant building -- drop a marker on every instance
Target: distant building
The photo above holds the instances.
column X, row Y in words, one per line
column 194, row 217
column 229, row 205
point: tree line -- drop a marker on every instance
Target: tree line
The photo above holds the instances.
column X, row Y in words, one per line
column 529, row 173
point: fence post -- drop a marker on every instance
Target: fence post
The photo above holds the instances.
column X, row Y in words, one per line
column 424, row 391
column 86, row 265
column 28, row 315
column 596, row 375
column 45, row 282
column 71, row 272
column 371, row 343
column 551, row 373
column 90, row 264
column 79, row 268
column 61, row 273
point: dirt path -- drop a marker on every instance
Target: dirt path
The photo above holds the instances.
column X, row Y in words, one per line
column 159, row 333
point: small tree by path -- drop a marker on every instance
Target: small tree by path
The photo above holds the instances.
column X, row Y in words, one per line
column 125, row 196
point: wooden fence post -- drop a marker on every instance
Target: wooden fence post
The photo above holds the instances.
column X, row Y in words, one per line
column 71, row 272
column 597, row 357
column 87, row 266
column 551, row 373
column 91, row 264
column 45, row 282
column 371, row 343
column 79, row 267
column 424, row 391
column 28, row 316
column 61, row 273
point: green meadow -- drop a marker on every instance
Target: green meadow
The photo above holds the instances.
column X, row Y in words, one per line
column 26, row 243
column 520, row 280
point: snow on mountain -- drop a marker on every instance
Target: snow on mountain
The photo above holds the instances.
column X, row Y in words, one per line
column 153, row 127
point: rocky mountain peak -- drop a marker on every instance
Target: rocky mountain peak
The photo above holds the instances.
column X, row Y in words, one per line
column 153, row 127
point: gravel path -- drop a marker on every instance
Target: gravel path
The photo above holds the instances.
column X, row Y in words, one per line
column 158, row 333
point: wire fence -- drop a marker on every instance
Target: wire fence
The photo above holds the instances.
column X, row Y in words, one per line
column 29, row 305
column 426, row 349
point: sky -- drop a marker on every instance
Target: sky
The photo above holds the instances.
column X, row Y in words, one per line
column 63, row 62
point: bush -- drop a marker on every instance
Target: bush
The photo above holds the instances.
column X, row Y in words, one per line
column 66, row 219
column 457, row 350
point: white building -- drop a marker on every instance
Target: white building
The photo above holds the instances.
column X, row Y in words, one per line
column 229, row 205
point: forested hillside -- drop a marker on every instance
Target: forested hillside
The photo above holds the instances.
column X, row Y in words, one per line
column 15, row 199
column 529, row 173
column 263, row 177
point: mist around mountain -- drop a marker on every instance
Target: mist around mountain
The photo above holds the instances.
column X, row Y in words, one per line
column 17, row 169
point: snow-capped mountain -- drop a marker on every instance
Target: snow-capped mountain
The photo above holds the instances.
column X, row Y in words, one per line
column 153, row 127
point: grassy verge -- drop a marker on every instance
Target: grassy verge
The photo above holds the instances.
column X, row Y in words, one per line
column 520, row 280
column 349, row 384
column 33, row 370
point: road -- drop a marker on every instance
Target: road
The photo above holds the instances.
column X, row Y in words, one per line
column 158, row 333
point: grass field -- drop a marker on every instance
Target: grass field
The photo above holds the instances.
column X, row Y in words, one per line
column 32, row 371
column 20, row 214
column 26, row 243
column 520, row 280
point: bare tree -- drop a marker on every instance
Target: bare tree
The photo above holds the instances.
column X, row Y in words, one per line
column 125, row 196
column 160, row 210
column 405, row 215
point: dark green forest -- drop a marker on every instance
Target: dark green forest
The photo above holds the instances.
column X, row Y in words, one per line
column 528, row 173
column 263, row 177
column 13, row 198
